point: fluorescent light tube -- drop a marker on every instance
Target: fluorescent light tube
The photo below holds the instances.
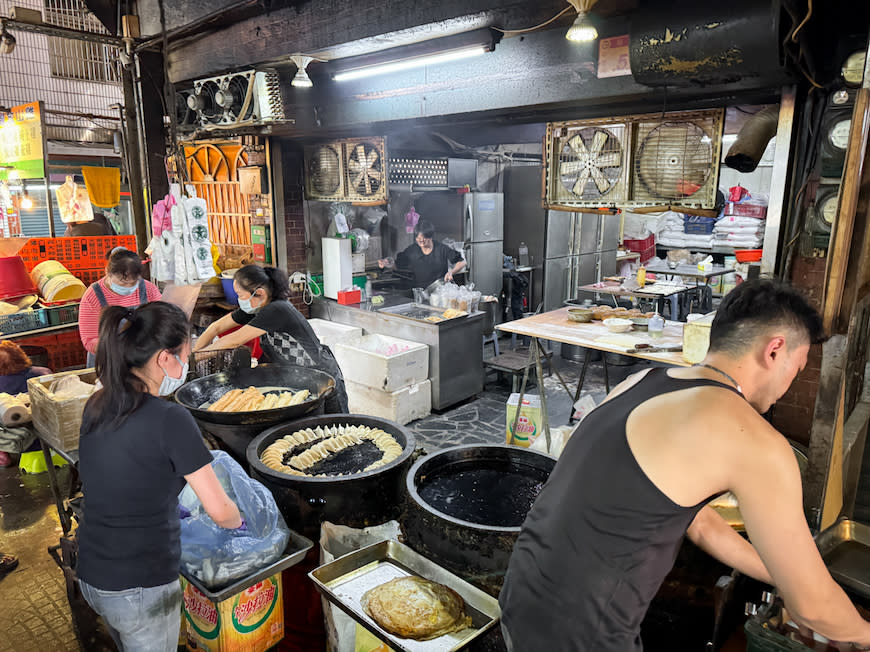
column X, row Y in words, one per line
column 407, row 64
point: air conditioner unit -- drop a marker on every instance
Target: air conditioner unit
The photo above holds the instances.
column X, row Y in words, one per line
column 237, row 99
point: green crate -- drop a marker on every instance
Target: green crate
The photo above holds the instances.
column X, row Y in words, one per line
column 20, row 322
column 60, row 315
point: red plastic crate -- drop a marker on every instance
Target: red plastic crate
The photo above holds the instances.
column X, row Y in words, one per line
column 74, row 253
column 69, row 351
column 646, row 247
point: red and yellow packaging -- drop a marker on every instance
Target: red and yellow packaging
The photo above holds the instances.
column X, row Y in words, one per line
column 246, row 622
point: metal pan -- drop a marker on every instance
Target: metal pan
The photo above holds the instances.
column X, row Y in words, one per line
column 845, row 547
column 297, row 547
column 344, row 581
column 209, row 388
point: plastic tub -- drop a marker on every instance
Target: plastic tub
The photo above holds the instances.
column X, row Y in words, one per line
column 14, row 279
column 229, row 291
column 747, row 255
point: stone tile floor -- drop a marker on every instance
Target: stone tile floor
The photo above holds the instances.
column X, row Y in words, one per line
column 36, row 615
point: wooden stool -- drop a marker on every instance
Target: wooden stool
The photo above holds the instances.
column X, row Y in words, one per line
column 515, row 363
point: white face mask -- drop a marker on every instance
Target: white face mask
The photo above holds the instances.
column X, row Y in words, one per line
column 245, row 305
column 170, row 384
column 123, row 290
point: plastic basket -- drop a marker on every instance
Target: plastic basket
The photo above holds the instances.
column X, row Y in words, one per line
column 58, row 421
column 68, row 314
column 697, row 225
column 20, row 322
column 68, row 352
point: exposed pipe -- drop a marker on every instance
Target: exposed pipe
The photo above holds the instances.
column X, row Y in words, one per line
column 752, row 140
column 196, row 25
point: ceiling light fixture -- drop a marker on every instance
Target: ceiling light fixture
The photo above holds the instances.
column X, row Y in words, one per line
column 582, row 31
column 7, row 41
column 413, row 62
column 301, row 79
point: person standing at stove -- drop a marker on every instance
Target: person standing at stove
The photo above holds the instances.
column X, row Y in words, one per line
column 136, row 451
column 426, row 259
column 286, row 337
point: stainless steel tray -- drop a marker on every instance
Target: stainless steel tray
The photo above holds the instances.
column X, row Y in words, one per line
column 845, row 547
column 344, row 581
column 295, row 552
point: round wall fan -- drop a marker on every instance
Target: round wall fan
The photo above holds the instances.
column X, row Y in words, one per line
column 590, row 163
column 365, row 169
column 674, row 160
column 324, row 170
column 232, row 98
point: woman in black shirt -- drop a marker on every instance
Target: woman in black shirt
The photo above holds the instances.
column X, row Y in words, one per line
column 285, row 335
column 135, row 453
column 426, row 259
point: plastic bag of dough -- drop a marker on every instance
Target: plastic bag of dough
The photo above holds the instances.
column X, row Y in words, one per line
column 73, row 202
column 71, row 387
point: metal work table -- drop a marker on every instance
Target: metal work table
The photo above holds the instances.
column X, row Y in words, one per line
column 691, row 271
column 556, row 327
column 455, row 351
column 619, row 290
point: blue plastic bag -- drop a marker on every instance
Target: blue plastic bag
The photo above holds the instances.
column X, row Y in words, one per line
column 217, row 556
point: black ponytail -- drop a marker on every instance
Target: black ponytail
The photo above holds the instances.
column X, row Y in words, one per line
column 128, row 338
column 275, row 281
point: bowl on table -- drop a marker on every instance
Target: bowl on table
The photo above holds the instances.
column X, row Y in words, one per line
column 640, row 323
column 618, row 325
column 582, row 315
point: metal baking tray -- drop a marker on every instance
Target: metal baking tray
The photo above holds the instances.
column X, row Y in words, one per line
column 845, row 547
column 295, row 552
column 344, row 581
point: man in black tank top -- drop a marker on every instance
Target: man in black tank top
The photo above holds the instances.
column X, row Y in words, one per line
column 636, row 476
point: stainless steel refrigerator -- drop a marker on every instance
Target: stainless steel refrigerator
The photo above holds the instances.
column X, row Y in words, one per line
column 477, row 219
column 579, row 248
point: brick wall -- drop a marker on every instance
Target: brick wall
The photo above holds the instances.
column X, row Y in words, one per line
column 294, row 216
column 793, row 413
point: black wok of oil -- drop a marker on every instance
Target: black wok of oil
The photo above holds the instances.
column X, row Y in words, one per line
column 352, row 459
column 492, row 494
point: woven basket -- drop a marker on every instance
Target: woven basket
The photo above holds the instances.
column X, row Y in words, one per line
column 58, row 421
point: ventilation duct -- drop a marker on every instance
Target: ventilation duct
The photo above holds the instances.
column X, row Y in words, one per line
column 752, row 140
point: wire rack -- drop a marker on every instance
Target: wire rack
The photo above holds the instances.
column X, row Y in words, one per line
column 76, row 78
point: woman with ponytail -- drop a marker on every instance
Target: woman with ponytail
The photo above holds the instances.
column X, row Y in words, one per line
column 135, row 453
column 285, row 335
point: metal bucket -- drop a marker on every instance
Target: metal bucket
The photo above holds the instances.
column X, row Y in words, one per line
column 491, row 313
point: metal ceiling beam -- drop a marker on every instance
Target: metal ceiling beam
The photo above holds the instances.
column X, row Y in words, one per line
column 62, row 32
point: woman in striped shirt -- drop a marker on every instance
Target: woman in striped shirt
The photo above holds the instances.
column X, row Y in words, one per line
column 122, row 285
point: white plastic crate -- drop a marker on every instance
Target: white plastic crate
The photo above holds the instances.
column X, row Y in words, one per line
column 330, row 332
column 402, row 406
column 383, row 362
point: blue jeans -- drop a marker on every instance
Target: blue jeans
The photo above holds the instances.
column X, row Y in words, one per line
column 139, row 619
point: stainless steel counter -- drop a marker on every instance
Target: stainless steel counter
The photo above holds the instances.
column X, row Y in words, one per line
column 455, row 349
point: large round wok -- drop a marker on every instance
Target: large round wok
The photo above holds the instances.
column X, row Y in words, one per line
column 210, row 388
column 237, row 428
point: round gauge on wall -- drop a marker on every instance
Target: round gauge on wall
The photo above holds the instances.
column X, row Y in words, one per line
column 828, row 209
column 853, row 69
column 839, row 134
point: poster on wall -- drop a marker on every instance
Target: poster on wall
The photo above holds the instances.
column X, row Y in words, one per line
column 22, row 142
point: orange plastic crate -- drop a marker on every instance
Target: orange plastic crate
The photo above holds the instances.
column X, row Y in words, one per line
column 74, row 253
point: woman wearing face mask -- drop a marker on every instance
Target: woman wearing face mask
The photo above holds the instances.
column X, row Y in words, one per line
column 285, row 335
column 122, row 285
column 135, row 453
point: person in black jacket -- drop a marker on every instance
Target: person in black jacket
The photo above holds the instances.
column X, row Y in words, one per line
column 426, row 259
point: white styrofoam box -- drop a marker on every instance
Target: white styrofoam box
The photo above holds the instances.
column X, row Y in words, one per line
column 402, row 406
column 383, row 362
column 330, row 332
